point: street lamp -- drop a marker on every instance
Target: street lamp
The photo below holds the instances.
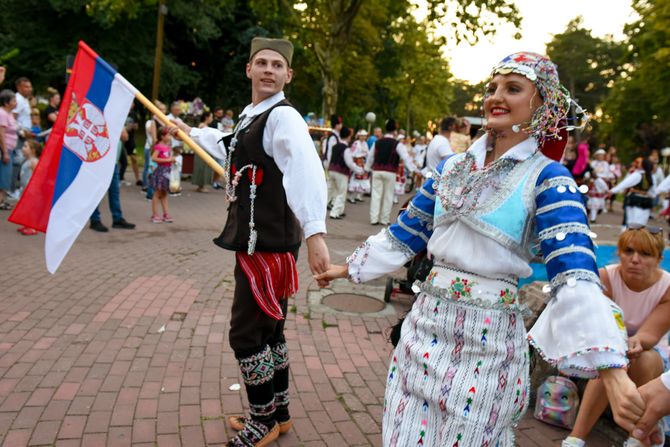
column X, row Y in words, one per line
column 370, row 117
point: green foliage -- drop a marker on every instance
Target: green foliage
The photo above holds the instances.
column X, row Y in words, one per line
column 637, row 112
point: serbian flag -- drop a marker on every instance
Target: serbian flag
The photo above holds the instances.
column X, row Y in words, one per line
column 77, row 164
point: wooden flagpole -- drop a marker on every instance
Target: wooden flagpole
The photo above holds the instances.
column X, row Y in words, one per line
column 200, row 152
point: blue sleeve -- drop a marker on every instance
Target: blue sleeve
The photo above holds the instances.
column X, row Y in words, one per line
column 414, row 226
column 562, row 228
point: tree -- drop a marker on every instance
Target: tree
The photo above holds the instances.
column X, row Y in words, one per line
column 587, row 65
column 326, row 27
column 637, row 111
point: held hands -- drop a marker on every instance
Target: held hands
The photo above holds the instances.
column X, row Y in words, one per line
column 657, row 399
column 318, row 256
column 333, row 272
column 179, row 125
column 626, row 402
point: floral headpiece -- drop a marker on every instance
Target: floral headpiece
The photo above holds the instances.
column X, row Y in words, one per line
column 552, row 116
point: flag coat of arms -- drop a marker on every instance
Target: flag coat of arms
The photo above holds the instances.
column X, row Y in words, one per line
column 77, row 164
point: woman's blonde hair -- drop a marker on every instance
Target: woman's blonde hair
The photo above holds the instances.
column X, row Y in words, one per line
column 642, row 241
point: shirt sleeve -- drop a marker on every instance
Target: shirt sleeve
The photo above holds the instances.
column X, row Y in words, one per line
column 391, row 248
column 632, row 179
column 406, row 158
column 211, row 140
column 371, row 158
column 561, row 334
column 286, row 139
column 349, row 161
column 665, row 378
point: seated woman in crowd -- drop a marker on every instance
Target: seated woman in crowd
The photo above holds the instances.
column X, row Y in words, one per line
column 642, row 289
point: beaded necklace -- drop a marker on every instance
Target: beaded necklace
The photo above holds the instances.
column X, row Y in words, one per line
column 461, row 188
column 233, row 180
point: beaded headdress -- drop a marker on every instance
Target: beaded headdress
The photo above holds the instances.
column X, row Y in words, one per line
column 552, row 118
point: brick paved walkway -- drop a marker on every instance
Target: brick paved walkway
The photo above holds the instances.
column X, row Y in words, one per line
column 127, row 343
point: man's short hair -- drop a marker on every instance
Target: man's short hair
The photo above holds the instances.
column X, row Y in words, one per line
column 21, row 80
column 447, row 123
column 345, row 132
column 391, row 125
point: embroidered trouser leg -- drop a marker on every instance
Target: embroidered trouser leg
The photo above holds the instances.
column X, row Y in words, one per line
column 281, row 380
column 252, row 333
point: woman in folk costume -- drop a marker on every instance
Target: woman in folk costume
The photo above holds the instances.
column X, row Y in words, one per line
column 459, row 375
column 359, row 184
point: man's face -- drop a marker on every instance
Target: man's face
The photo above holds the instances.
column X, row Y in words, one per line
column 174, row 110
column 218, row 114
column 269, row 72
column 25, row 88
column 378, row 132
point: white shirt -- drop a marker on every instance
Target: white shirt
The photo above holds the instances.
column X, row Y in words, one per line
column 285, row 139
column 665, row 378
column 438, row 148
column 22, row 112
column 359, row 149
column 331, row 140
column 400, row 149
column 420, row 154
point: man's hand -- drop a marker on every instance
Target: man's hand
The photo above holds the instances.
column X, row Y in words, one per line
column 657, row 399
column 179, row 125
column 318, row 256
column 625, row 400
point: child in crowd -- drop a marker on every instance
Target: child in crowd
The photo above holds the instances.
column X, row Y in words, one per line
column 160, row 179
column 36, row 124
column 359, row 184
column 31, row 151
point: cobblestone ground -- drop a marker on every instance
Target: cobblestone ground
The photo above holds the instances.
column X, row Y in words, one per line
column 127, row 344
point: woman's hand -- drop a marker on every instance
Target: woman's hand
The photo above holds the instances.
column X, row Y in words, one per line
column 634, row 347
column 5, row 158
column 626, row 402
column 333, row 272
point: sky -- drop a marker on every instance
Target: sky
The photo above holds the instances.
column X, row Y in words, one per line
column 541, row 20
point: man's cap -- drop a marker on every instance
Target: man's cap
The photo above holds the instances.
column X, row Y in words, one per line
column 281, row 46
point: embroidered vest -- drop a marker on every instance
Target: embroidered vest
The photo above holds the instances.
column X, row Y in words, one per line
column 337, row 163
column 500, row 206
column 386, row 156
column 278, row 228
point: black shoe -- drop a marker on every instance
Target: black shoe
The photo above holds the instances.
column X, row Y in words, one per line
column 139, row 183
column 336, row 217
column 122, row 223
column 96, row 225
column 351, row 200
column 374, row 223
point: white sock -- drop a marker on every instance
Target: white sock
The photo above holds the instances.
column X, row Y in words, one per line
column 571, row 441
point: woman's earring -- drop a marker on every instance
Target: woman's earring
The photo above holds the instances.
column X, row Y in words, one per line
column 516, row 128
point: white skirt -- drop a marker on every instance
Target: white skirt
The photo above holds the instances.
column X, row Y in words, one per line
column 459, row 375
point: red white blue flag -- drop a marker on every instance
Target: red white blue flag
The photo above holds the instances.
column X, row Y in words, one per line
column 77, row 163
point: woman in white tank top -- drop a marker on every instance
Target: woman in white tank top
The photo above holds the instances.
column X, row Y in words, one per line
column 642, row 289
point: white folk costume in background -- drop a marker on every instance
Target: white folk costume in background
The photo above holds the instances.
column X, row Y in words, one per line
column 384, row 159
column 459, row 375
column 269, row 160
column 359, row 184
column 598, row 192
column 641, row 192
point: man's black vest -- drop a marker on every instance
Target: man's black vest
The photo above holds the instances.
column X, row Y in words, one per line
column 337, row 163
column 278, row 228
column 386, row 156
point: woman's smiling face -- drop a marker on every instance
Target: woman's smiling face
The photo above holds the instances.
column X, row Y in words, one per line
column 510, row 100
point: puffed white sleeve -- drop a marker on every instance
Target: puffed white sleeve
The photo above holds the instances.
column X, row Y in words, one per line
column 632, row 179
column 211, row 140
column 304, row 180
column 388, row 250
column 580, row 331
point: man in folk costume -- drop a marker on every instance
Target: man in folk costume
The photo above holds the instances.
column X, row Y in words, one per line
column 384, row 158
column 269, row 160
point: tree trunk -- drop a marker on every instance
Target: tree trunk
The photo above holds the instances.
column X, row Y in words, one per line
column 329, row 103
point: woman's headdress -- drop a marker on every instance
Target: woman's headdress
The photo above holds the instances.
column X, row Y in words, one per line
column 552, row 120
